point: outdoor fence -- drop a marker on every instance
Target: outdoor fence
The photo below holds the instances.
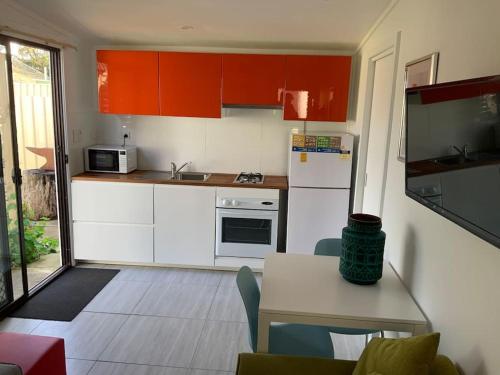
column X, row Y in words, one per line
column 34, row 121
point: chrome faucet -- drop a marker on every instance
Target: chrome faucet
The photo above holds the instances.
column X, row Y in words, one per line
column 464, row 152
column 175, row 170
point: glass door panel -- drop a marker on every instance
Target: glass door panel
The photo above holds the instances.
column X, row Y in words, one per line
column 33, row 99
column 246, row 230
column 12, row 272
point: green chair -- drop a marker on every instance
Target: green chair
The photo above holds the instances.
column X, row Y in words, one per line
column 333, row 247
column 286, row 339
column 329, row 246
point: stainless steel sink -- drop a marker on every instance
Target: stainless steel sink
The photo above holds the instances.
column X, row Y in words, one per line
column 192, row 176
column 182, row 176
column 154, row 175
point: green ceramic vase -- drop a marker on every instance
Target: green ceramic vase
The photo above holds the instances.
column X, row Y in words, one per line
column 362, row 257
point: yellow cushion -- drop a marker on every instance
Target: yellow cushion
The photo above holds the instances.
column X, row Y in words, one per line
column 410, row 356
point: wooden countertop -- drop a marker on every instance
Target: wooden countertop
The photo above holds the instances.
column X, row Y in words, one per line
column 157, row 177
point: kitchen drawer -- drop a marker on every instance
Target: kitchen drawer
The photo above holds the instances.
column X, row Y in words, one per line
column 112, row 202
column 113, row 242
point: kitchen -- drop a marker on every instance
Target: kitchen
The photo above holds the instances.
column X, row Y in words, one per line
column 234, row 131
column 134, row 273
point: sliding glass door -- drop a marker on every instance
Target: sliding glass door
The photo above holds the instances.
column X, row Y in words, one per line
column 32, row 79
column 13, row 275
column 34, row 234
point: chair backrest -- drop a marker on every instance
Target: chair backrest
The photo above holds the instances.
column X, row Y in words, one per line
column 250, row 294
column 329, row 246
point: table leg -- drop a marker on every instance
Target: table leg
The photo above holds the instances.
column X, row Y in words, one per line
column 263, row 333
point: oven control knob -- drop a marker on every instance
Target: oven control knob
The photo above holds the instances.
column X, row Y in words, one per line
column 226, row 202
column 234, row 203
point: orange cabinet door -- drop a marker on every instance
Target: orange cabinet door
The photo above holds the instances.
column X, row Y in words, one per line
column 317, row 88
column 253, row 80
column 190, row 84
column 127, row 82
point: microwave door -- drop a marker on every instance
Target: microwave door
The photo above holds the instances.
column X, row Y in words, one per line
column 104, row 160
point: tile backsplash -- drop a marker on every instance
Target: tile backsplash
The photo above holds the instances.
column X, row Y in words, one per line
column 253, row 140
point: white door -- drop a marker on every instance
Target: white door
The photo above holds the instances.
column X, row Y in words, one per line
column 378, row 137
column 314, row 214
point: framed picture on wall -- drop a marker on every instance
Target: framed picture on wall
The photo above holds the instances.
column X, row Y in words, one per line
column 420, row 72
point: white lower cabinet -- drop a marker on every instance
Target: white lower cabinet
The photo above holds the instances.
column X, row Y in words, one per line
column 112, row 221
column 113, row 242
column 184, row 230
column 112, row 202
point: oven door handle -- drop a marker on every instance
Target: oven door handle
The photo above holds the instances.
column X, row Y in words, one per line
column 248, row 214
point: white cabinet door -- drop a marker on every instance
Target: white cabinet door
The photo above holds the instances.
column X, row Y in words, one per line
column 184, row 224
column 112, row 202
column 321, row 169
column 113, row 242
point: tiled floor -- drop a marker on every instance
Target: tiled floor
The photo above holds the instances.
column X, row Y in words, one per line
column 156, row 321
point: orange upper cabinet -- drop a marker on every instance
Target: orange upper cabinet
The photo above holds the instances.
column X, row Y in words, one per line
column 317, row 88
column 190, row 84
column 253, row 80
column 127, row 82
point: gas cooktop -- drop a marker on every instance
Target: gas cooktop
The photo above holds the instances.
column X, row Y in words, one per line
column 249, row 178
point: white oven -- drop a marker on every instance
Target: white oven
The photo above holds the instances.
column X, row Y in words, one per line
column 247, row 226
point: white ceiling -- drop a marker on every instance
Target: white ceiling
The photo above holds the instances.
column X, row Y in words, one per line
column 303, row 24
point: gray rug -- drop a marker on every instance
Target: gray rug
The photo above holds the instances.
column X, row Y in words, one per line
column 66, row 296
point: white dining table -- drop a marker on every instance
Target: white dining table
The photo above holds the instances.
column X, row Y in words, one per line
column 309, row 289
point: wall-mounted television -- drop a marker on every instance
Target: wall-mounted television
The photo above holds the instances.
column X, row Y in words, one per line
column 453, row 152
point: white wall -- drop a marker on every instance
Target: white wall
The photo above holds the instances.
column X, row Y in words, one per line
column 453, row 274
column 81, row 107
column 77, row 66
column 243, row 140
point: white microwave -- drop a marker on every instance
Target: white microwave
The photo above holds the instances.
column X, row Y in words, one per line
column 110, row 159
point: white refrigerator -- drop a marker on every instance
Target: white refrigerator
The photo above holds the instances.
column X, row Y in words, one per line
column 319, row 178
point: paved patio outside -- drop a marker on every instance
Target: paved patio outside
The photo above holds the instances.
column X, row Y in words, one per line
column 41, row 269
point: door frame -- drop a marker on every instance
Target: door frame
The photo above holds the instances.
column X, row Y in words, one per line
column 61, row 167
column 393, row 48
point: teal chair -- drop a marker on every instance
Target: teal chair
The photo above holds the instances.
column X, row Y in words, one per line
column 288, row 339
column 333, row 247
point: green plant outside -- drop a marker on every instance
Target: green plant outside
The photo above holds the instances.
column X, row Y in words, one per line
column 35, row 243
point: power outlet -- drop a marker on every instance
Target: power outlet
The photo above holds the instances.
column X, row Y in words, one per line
column 126, row 133
column 76, row 136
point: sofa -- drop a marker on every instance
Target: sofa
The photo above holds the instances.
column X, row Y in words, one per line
column 31, row 355
column 10, row 369
column 263, row 364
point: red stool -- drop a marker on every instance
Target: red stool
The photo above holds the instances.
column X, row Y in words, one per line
column 36, row 355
